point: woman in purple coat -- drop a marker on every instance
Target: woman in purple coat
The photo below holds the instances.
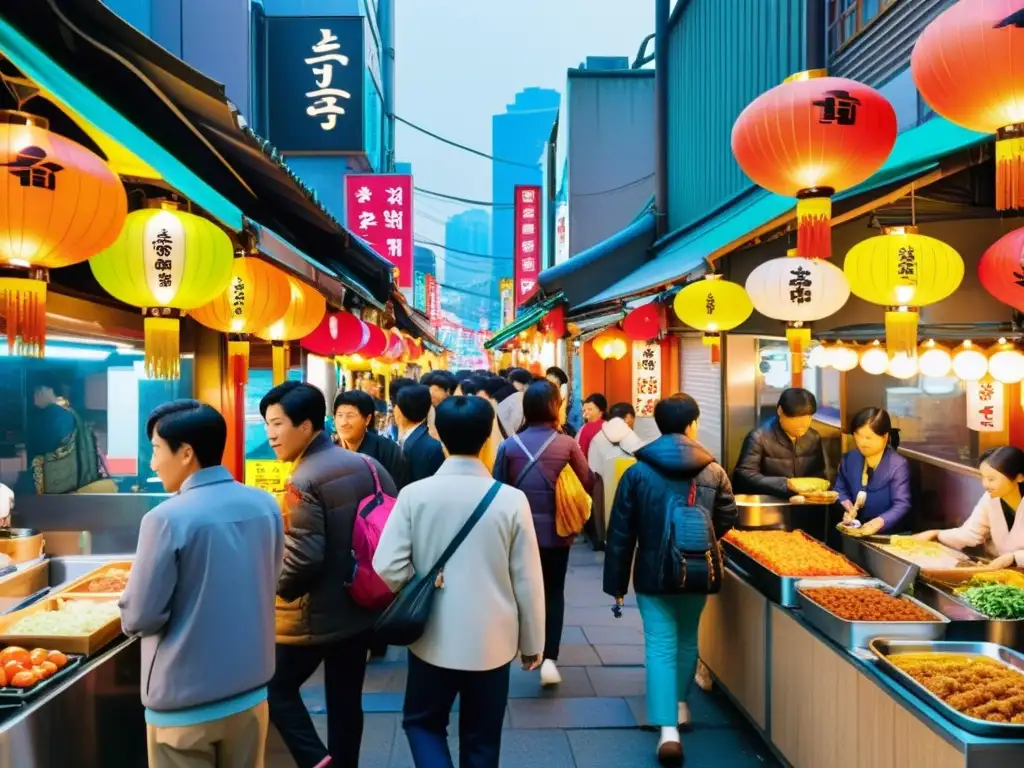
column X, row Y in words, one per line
column 531, row 461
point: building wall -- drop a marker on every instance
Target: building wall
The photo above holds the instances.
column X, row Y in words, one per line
column 610, row 152
column 465, row 233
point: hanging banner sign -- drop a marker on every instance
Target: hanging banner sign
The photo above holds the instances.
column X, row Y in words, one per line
column 270, row 476
column 527, row 247
column 646, row 377
column 986, row 409
column 378, row 208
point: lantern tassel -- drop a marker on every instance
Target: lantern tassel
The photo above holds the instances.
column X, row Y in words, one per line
column 280, row 359
column 163, row 357
column 799, row 339
column 714, row 340
column 238, row 359
column 23, row 301
column 814, row 227
column 1010, row 168
column 901, row 330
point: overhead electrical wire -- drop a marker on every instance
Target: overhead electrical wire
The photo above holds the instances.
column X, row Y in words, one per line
column 433, row 244
column 463, row 147
column 467, row 292
column 492, row 204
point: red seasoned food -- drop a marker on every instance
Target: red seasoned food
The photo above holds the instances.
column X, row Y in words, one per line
column 866, row 604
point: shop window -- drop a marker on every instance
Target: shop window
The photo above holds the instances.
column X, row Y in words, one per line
column 931, row 416
column 847, row 18
column 774, row 377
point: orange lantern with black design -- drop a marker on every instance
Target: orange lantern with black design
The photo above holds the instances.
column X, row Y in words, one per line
column 305, row 311
column 61, row 204
column 809, row 138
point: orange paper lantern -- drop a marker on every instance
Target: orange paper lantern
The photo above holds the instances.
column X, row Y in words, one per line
column 810, row 137
column 967, row 64
column 305, row 311
column 611, row 344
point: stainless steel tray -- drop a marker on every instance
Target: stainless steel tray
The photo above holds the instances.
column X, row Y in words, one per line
column 778, row 588
column 857, row 634
column 968, row 624
column 885, row 647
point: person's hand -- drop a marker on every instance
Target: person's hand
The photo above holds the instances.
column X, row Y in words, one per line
column 850, row 514
column 926, row 536
column 1003, row 561
column 531, row 663
column 872, row 527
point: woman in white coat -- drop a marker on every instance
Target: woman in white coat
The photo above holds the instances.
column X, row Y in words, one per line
column 997, row 522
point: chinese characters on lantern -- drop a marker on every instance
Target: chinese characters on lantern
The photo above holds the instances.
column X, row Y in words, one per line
column 29, row 168
column 906, row 266
column 646, row 377
column 378, row 208
column 164, row 256
column 325, row 97
column 800, row 286
column 838, row 108
column 709, row 304
column 527, row 250
column 238, row 296
column 985, row 407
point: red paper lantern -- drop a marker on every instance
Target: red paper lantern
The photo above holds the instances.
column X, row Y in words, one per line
column 809, row 138
column 339, row 333
column 644, row 323
column 376, row 344
column 1001, row 269
column 395, row 347
column 553, row 323
column 968, row 68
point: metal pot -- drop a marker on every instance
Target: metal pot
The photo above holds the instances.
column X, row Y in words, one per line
column 17, row 533
column 762, row 512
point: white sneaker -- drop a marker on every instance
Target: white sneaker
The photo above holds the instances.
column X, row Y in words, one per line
column 670, row 748
column 684, row 715
column 549, row 674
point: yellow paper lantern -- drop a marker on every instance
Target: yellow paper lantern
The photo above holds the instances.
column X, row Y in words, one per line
column 1006, row 363
column 934, row 359
column 713, row 305
column 969, row 362
column 874, row 359
column 166, row 261
column 902, row 271
column 306, row 309
column 611, row 344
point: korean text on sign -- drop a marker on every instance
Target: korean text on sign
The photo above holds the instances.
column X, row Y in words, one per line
column 646, row 377
column 325, row 96
column 527, row 251
column 378, row 208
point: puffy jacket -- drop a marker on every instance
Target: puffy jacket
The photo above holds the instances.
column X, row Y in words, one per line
column 616, row 440
column 320, row 506
column 670, row 463
column 769, row 457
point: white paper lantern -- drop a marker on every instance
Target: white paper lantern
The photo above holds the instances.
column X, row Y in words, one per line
column 843, row 357
column 902, row 366
column 874, row 359
column 934, row 360
column 1006, row 363
column 797, row 290
column 969, row 362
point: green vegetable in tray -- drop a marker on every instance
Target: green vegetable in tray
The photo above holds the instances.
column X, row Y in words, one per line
column 997, row 601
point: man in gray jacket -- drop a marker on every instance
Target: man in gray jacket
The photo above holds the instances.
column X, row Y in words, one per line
column 207, row 632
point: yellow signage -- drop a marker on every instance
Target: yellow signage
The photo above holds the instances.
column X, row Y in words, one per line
column 267, row 475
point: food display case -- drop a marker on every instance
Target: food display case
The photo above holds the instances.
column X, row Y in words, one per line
column 769, row 513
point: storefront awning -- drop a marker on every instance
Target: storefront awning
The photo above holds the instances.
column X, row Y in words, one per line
column 531, row 316
column 917, row 152
column 415, row 323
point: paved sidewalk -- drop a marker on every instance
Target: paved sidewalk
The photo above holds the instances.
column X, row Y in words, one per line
column 592, row 720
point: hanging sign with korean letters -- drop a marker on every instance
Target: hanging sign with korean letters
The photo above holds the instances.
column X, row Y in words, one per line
column 527, row 248
column 646, row 377
column 378, row 208
column 986, row 408
column 164, row 255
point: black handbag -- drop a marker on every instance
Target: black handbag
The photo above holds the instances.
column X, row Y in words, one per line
column 405, row 620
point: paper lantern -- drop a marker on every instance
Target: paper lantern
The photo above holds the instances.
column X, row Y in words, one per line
column 934, row 360
column 1001, row 269
column 1006, row 363
column 902, row 270
column 810, row 137
column 395, row 348
column 818, row 356
column 843, row 357
column 967, row 65
column 59, row 205
column 799, row 291
column 553, row 323
column 611, row 344
column 165, row 261
column 903, row 365
column 713, row 305
column 969, row 362
column 644, row 323
column 376, row 344
column 874, row 359
column 306, row 309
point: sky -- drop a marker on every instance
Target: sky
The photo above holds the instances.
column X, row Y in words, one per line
column 458, row 62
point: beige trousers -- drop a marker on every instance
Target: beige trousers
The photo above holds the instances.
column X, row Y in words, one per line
column 238, row 741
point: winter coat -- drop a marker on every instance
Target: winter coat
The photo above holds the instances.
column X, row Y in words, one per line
column 769, row 458
column 615, row 441
column 670, row 463
column 887, row 490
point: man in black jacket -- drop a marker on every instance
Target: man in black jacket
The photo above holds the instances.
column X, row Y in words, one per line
column 354, row 411
column 781, row 449
column 424, row 455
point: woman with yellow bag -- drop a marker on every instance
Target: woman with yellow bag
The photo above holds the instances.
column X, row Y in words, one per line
column 549, row 467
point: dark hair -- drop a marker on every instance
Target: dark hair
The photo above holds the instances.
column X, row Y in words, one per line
column 471, row 385
column 443, row 379
column 482, row 373
column 190, row 421
column 499, row 389
column 556, row 372
column 414, row 402
column 1008, row 460
column 396, row 386
column 621, row 411
column 504, row 372
column 675, row 414
column 879, row 422
column 300, row 402
column 464, row 424
column 463, row 374
column 796, row 401
column 541, row 402
column 520, row 376
column 358, row 399
column 598, row 400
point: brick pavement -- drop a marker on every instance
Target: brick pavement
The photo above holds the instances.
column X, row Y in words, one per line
column 595, row 718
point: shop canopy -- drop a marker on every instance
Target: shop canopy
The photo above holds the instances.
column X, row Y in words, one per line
column 136, row 100
column 415, row 323
column 531, row 315
column 918, row 151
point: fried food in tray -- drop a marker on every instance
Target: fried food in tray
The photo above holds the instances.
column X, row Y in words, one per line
column 928, row 555
column 792, row 553
column 976, row 686
column 816, row 497
column 866, row 604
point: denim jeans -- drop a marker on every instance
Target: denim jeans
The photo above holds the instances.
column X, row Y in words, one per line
column 670, row 650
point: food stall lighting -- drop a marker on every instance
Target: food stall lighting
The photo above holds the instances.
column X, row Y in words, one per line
column 843, row 357
column 818, row 357
column 969, row 362
column 874, row 359
column 903, row 366
column 934, row 359
column 71, row 352
column 1006, row 363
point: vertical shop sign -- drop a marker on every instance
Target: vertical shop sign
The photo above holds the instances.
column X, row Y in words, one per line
column 433, row 300
column 646, row 376
column 985, row 406
column 378, row 208
column 527, row 241
column 506, row 290
column 561, row 232
column 419, row 291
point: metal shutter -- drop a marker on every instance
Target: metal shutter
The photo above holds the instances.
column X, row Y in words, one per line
column 703, row 382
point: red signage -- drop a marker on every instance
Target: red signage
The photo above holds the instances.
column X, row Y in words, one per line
column 528, row 234
column 433, row 301
column 378, row 208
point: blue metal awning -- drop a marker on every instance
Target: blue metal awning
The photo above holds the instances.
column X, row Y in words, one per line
column 917, row 152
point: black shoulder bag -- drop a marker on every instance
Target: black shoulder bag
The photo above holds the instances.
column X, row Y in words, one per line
column 405, row 620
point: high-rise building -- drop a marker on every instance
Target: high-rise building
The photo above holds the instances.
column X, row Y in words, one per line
column 468, row 267
column 518, row 134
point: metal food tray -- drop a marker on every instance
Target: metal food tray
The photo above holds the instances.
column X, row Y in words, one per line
column 776, row 587
column 883, row 648
column 857, row 634
column 11, row 695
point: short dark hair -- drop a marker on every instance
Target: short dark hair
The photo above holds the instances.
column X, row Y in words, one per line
column 621, row 411
column 541, row 402
column 499, row 389
column 471, row 385
column 878, row 421
column 462, row 374
column 520, row 376
column 797, row 401
column 558, row 373
column 504, row 372
column 444, row 379
column 675, row 414
column 598, row 400
column 358, row 399
column 464, row 424
column 190, row 421
column 396, row 386
column 414, row 402
column 300, row 402
column 1008, row 460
